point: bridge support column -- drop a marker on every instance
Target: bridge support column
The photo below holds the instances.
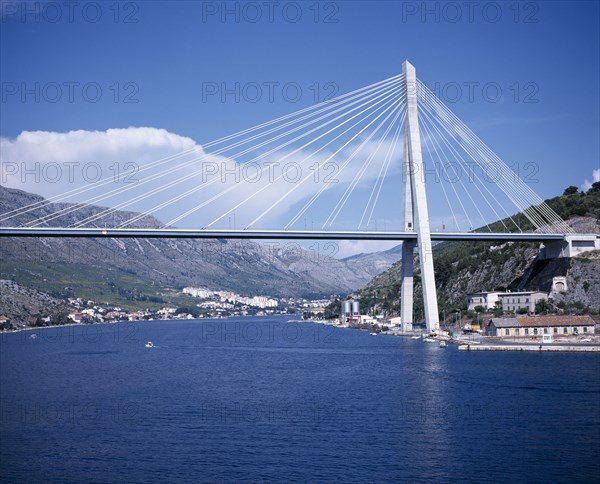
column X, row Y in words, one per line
column 407, row 287
column 414, row 162
column 408, row 251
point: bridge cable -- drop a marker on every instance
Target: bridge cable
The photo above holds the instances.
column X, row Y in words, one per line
column 455, row 130
column 326, row 160
column 426, row 142
column 370, row 103
column 537, row 206
column 324, row 187
column 65, row 195
column 302, row 162
column 165, row 172
column 460, row 159
column 243, row 152
column 328, row 105
column 376, row 190
column 516, row 199
column 360, row 173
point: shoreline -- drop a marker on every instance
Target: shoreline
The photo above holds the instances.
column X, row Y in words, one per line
column 484, row 344
column 538, row 348
column 134, row 321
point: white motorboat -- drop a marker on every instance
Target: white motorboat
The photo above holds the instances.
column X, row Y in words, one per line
column 443, row 344
column 150, row 344
column 428, row 340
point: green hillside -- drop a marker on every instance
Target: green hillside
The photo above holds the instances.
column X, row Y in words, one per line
column 463, row 267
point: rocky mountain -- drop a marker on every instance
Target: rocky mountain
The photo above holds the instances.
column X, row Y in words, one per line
column 21, row 304
column 464, row 267
column 138, row 272
column 377, row 262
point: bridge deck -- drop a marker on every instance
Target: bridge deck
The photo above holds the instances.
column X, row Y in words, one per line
column 268, row 234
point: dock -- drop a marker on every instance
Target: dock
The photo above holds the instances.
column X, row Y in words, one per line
column 584, row 348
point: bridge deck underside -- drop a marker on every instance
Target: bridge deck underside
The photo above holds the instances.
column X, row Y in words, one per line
column 269, row 234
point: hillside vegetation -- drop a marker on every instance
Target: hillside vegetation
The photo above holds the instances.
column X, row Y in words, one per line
column 464, row 267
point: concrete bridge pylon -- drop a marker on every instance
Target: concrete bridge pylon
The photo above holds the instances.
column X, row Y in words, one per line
column 416, row 215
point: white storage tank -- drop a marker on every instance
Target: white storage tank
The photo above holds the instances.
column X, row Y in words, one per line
column 347, row 307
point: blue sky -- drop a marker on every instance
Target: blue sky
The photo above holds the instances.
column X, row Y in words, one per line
column 543, row 56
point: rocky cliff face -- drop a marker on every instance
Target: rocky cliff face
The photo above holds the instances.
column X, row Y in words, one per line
column 583, row 279
column 465, row 267
column 21, row 304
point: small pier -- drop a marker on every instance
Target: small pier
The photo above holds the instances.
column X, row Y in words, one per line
column 479, row 347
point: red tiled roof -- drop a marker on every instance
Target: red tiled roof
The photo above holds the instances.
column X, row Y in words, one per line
column 543, row 321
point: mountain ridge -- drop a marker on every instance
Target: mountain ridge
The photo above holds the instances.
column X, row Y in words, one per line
column 134, row 272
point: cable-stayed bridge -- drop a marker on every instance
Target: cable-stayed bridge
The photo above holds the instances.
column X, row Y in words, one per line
column 271, row 234
column 328, row 161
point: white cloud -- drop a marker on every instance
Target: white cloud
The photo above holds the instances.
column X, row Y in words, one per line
column 595, row 178
column 99, row 146
column 52, row 164
column 93, row 163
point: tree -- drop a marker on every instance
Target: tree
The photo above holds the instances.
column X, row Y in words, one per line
column 61, row 318
column 498, row 311
column 332, row 311
column 595, row 187
column 542, row 307
column 193, row 310
column 572, row 190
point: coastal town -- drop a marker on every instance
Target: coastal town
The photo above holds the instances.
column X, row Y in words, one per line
column 201, row 303
column 498, row 318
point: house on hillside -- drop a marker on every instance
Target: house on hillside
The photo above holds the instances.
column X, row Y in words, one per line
column 508, row 301
column 539, row 325
column 516, row 301
column 487, row 300
column 76, row 317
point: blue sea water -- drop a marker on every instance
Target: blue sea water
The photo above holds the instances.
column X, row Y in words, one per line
column 261, row 399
